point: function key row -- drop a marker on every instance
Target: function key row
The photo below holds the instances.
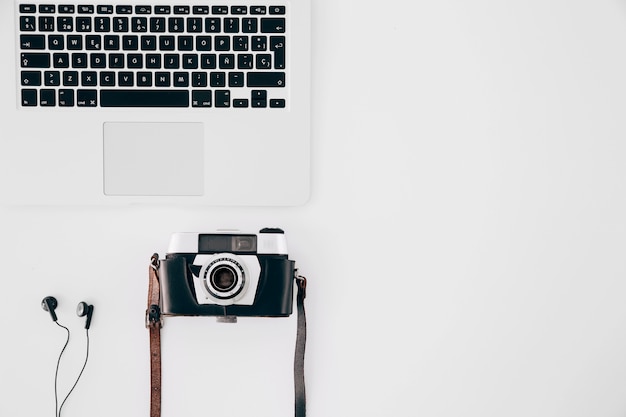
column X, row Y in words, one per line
column 145, row 10
column 152, row 24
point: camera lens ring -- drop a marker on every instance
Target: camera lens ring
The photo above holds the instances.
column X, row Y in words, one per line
column 223, row 278
column 224, row 292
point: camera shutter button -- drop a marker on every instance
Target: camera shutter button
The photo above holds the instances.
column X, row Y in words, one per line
column 272, row 230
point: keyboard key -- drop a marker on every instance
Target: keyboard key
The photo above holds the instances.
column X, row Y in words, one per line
column 35, row 60
column 107, row 79
column 46, row 23
column 98, row 60
column 61, row 60
column 111, row 42
column 181, row 79
column 86, row 9
column 266, row 79
column 148, row 43
column 32, row 41
column 157, row 24
column 83, row 24
column 258, row 10
column 235, row 79
column 162, row 79
column 124, row 9
column 144, row 79
column 200, row 9
column 277, row 103
column 130, row 43
column 273, row 25
column 181, row 10
column 277, row 44
column 29, row 97
column 66, row 98
column 162, row 9
column 70, row 78
column 176, row 24
column 93, row 42
column 194, row 24
column 140, row 24
column 66, row 8
column 212, row 25
column 89, row 78
column 105, row 9
column 218, row 79
column 219, row 9
column 27, row 24
column 120, row 24
column 28, row 8
column 31, row 78
column 47, row 98
column 249, row 25
column 47, row 8
column 126, row 79
column 65, row 24
column 222, row 98
column 143, row 9
column 79, row 60
column 199, row 79
column 56, row 42
column 240, row 102
column 201, row 98
column 144, row 98
column 277, row 9
column 102, row 24
column 231, row 25
column 87, row 98
column 75, row 42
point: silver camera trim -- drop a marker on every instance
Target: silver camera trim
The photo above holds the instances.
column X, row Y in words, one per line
column 250, row 270
column 267, row 243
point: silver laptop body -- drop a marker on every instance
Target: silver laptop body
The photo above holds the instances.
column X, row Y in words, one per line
column 116, row 102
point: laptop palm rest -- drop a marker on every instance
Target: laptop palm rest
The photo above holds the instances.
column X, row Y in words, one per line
column 153, row 159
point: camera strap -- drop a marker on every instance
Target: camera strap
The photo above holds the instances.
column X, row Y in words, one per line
column 154, row 322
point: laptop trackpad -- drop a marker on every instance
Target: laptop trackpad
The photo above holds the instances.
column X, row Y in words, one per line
column 159, row 159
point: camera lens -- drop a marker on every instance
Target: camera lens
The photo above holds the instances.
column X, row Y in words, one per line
column 223, row 278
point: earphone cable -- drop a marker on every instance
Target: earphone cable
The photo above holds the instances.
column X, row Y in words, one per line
column 56, row 373
column 79, row 375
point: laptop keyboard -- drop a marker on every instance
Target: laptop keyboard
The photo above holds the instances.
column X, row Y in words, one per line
column 98, row 55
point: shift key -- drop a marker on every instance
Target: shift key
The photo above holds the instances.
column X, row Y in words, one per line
column 266, row 79
column 35, row 60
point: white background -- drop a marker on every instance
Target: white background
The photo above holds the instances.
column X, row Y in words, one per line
column 464, row 243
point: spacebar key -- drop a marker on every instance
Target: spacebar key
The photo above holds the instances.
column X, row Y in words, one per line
column 144, row 98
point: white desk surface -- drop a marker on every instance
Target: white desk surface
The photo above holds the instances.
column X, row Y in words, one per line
column 465, row 241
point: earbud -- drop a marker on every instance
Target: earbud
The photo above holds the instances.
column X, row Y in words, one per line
column 49, row 304
column 83, row 309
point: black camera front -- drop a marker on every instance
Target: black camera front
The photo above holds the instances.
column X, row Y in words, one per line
column 227, row 274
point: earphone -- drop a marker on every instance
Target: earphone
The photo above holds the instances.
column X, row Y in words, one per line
column 83, row 309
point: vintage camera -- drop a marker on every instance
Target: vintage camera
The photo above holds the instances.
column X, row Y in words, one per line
column 227, row 274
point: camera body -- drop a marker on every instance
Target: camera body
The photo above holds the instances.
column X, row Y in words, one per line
column 227, row 273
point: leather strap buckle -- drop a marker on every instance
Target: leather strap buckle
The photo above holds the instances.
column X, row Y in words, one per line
column 153, row 317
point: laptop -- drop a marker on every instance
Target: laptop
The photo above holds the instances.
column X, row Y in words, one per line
column 118, row 102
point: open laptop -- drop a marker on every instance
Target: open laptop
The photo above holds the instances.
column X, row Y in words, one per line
column 194, row 102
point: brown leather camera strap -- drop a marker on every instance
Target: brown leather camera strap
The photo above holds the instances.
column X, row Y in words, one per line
column 154, row 323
